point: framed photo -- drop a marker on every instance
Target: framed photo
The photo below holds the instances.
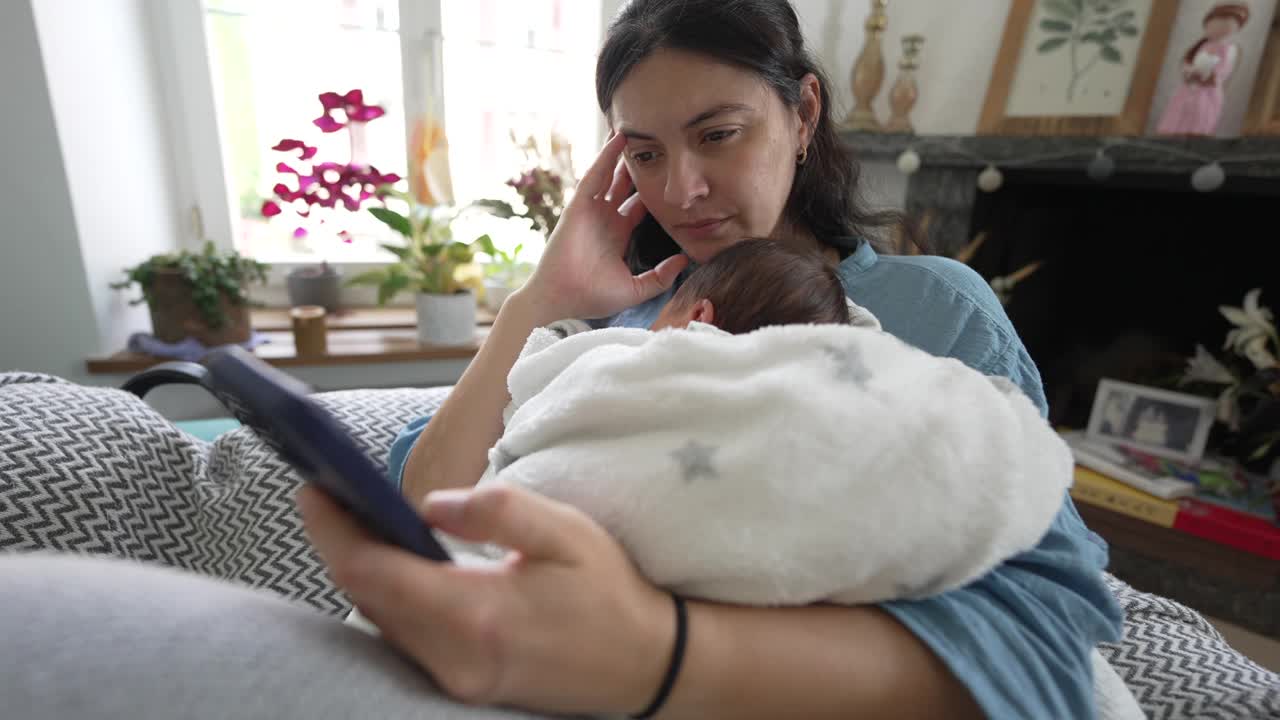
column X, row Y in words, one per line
column 1210, row 67
column 1263, row 117
column 1160, row 422
column 1077, row 67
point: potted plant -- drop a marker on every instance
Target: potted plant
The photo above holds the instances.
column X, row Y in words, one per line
column 315, row 285
column 427, row 264
column 1246, row 382
column 503, row 274
column 198, row 295
column 541, row 190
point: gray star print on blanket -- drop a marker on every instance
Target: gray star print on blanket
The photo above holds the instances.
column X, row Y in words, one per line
column 849, row 365
column 695, row 460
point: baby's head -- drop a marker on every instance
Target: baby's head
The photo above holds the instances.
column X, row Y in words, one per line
column 755, row 283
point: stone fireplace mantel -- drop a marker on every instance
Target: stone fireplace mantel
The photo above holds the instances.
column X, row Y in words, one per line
column 1145, row 155
column 944, row 189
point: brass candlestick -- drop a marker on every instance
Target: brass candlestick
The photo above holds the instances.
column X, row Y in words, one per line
column 868, row 71
column 904, row 94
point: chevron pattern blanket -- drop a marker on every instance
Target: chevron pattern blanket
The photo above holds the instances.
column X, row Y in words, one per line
column 97, row 471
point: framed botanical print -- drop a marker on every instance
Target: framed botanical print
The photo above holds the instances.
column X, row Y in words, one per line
column 1077, row 67
column 1263, row 117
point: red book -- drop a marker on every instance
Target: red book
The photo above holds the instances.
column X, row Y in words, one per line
column 1240, row 530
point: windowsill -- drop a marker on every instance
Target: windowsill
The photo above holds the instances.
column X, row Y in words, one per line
column 357, row 336
column 359, row 318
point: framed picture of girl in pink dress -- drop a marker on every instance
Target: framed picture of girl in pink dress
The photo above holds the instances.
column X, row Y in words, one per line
column 1210, row 67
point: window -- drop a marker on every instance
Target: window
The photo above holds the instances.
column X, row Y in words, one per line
column 512, row 70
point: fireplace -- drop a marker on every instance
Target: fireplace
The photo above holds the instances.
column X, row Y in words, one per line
column 1134, row 268
column 1133, row 273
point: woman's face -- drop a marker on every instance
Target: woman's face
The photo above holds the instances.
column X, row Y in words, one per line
column 711, row 148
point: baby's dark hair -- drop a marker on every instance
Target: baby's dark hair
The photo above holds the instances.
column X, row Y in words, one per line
column 755, row 283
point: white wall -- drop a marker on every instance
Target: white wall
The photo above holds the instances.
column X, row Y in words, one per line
column 111, row 127
column 46, row 311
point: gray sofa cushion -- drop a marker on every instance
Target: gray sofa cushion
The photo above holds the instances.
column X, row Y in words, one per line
column 97, row 471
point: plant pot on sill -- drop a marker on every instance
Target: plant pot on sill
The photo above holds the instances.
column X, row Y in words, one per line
column 175, row 315
column 446, row 319
column 496, row 291
column 315, row 285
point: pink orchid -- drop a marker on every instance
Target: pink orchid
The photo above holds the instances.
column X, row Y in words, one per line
column 353, row 107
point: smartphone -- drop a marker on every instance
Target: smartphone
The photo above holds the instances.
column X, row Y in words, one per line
column 277, row 408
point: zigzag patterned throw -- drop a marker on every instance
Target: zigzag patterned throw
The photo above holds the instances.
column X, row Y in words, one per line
column 97, row 471
column 1179, row 666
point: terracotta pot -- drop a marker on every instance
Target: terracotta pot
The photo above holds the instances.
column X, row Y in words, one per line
column 174, row 315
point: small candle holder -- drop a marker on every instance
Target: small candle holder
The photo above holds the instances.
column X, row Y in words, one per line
column 903, row 96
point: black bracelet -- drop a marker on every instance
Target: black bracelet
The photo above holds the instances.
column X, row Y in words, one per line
column 677, row 658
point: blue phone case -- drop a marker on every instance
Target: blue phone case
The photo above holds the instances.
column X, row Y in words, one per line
column 310, row 439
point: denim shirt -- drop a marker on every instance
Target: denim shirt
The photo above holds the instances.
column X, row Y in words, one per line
column 1018, row 638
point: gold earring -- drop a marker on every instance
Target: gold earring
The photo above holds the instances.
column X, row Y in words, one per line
column 803, row 156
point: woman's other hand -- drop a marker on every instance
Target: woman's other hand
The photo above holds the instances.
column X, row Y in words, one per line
column 564, row 623
column 583, row 272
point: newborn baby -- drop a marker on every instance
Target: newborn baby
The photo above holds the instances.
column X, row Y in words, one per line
column 756, row 447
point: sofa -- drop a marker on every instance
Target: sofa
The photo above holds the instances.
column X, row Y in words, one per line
column 97, row 471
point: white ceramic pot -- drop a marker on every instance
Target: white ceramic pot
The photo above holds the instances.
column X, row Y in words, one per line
column 496, row 293
column 447, row 319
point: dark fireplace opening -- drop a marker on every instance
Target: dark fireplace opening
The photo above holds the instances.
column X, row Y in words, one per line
column 1133, row 272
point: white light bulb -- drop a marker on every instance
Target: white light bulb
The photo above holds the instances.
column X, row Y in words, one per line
column 1101, row 167
column 909, row 162
column 991, row 179
column 1208, row 178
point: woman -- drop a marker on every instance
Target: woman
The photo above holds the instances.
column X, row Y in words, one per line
column 722, row 123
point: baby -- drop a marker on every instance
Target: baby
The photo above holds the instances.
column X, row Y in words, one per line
column 765, row 443
column 754, row 283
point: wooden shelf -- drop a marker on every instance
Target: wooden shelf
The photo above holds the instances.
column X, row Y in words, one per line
column 1215, row 579
column 1203, row 557
column 346, row 347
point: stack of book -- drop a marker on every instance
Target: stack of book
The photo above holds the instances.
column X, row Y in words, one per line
column 1194, row 500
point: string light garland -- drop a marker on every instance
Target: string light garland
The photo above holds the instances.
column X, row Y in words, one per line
column 1208, row 177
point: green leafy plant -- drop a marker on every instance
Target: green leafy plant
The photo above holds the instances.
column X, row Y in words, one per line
column 429, row 260
column 211, row 275
column 1078, row 26
column 502, row 265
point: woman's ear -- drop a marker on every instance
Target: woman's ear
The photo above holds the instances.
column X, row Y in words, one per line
column 703, row 311
column 809, row 108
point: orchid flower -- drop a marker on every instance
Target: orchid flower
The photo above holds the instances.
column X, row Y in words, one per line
column 329, row 184
column 352, row 105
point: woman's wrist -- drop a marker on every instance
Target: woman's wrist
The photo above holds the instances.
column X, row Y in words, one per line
column 533, row 305
column 676, row 659
column 648, row 656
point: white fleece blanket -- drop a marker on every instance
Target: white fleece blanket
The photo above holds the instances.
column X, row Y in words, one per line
column 785, row 466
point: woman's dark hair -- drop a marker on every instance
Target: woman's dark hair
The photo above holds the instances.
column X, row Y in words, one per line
column 756, row 283
column 763, row 37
